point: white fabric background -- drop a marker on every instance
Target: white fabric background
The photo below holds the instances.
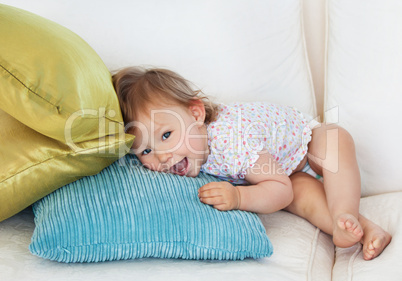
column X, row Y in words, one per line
column 364, row 90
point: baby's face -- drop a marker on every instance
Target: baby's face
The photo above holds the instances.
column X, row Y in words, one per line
column 172, row 140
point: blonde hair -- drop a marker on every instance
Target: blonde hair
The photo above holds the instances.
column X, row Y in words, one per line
column 138, row 87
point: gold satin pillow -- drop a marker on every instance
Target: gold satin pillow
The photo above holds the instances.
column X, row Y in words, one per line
column 33, row 165
column 48, row 75
column 60, row 118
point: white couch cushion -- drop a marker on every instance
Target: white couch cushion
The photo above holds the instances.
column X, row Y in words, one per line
column 385, row 210
column 234, row 50
column 301, row 251
column 364, row 85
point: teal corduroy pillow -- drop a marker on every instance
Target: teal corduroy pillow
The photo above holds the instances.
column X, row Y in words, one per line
column 128, row 212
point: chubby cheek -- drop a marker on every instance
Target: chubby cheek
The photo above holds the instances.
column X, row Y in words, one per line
column 195, row 145
column 196, row 169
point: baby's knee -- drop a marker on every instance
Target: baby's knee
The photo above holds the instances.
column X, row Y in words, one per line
column 345, row 137
column 330, row 137
column 341, row 132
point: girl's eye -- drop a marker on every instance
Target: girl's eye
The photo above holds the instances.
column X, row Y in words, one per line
column 166, row 135
column 146, row 151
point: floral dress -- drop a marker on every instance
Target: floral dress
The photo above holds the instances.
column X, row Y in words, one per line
column 243, row 130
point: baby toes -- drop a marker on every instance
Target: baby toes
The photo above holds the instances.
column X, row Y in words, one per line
column 348, row 231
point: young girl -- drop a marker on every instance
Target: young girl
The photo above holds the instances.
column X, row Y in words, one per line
column 263, row 147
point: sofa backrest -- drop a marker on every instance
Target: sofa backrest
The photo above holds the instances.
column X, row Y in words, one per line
column 233, row 50
column 364, row 85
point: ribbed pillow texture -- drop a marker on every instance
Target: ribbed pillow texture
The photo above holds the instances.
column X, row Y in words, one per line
column 129, row 212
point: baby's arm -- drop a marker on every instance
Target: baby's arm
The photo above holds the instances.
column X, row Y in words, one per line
column 270, row 189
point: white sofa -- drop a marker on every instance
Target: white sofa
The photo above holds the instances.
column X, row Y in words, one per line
column 339, row 61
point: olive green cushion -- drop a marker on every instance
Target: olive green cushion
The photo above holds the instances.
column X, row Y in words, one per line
column 49, row 75
column 60, row 118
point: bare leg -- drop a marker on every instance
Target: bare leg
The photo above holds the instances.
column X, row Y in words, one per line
column 332, row 155
column 310, row 203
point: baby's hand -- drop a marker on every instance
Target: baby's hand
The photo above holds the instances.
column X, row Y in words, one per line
column 221, row 195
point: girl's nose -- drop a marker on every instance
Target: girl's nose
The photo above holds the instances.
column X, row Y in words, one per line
column 163, row 157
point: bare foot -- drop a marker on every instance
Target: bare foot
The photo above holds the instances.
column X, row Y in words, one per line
column 374, row 241
column 347, row 231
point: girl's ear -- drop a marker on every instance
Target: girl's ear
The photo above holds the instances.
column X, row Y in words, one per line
column 198, row 111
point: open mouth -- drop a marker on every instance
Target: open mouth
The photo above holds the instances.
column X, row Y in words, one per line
column 180, row 168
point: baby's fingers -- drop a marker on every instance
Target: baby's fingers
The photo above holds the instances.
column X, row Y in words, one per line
column 212, row 200
column 206, row 193
column 209, row 186
column 216, row 202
